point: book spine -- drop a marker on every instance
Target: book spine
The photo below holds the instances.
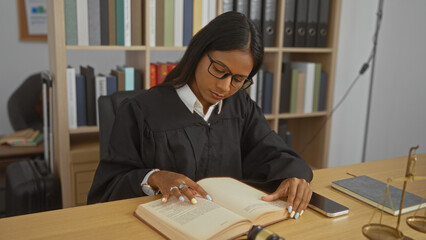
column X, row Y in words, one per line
column 317, row 82
column 104, row 6
column 293, row 91
column 71, row 32
column 112, row 32
column 80, row 87
column 178, row 23
column 152, row 22
column 168, row 22
column 119, row 18
column 267, row 92
column 153, row 74
column 136, row 22
column 187, row 21
column 111, row 84
column 72, row 103
column 82, row 23
column 101, row 90
column 159, row 23
column 197, row 10
column 127, row 23
column 94, row 17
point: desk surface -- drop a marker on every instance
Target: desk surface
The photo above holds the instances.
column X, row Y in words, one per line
column 115, row 220
column 7, row 151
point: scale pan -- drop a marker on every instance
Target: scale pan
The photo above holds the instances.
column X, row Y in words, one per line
column 376, row 231
column 417, row 222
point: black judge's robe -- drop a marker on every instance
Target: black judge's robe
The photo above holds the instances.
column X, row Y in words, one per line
column 156, row 130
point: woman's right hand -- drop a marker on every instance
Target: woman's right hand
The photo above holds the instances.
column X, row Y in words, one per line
column 174, row 184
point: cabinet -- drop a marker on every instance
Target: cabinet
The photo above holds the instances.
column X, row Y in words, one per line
column 76, row 151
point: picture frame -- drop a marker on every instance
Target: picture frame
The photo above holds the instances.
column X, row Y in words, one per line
column 23, row 23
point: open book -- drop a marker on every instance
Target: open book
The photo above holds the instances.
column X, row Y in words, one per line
column 234, row 209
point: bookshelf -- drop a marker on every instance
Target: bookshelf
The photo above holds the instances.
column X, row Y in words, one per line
column 76, row 151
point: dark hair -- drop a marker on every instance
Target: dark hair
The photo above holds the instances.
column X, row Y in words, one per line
column 228, row 31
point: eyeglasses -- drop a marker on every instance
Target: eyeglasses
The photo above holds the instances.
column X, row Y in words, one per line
column 220, row 71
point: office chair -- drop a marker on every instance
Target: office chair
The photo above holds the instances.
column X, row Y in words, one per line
column 108, row 106
column 25, row 105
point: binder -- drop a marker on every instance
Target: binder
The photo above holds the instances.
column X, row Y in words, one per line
column 256, row 13
column 322, row 31
column 312, row 24
column 290, row 8
column 242, row 6
column 300, row 25
column 227, row 5
column 70, row 7
column 104, row 22
column 269, row 19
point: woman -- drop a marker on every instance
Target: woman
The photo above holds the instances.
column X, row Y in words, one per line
column 201, row 123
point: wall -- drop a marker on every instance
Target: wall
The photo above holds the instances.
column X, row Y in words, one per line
column 397, row 116
column 18, row 59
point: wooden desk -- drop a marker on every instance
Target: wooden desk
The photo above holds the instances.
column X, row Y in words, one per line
column 115, row 220
column 10, row 154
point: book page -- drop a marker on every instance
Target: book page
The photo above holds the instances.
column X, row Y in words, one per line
column 199, row 221
column 241, row 198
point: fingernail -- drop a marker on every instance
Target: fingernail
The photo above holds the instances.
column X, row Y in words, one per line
column 301, row 212
column 208, row 197
column 164, row 200
column 289, row 209
column 296, row 216
column 194, row 201
column 181, row 199
column 292, row 214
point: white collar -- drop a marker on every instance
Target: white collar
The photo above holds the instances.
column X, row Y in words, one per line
column 193, row 104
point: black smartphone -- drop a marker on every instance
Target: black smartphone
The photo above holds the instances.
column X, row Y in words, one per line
column 326, row 206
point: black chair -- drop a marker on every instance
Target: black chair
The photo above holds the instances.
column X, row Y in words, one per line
column 25, row 105
column 108, row 106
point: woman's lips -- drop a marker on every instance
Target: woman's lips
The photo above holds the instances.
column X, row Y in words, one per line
column 217, row 96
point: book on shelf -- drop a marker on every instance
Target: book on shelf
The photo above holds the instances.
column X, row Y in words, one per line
column 20, row 136
column 80, row 91
column 322, row 91
column 187, row 21
column 89, row 76
column 129, row 77
column 82, row 22
column 136, row 25
column 373, row 192
column 197, row 9
column 205, row 12
column 71, row 95
column 119, row 74
column 112, row 33
column 294, row 90
column 178, row 23
column 29, row 143
column 308, row 68
column 268, row 83
column 168, row 20
column 234, row 209
column 285, row 87
column 317, row 83
column 300, row 102
column 101, row 90
column 70, row 22
column 104, row 22
column 152, row 23
column 159, row 23
column 94, row 18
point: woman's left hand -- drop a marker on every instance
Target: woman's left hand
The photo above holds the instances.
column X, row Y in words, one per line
column 298, row 193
